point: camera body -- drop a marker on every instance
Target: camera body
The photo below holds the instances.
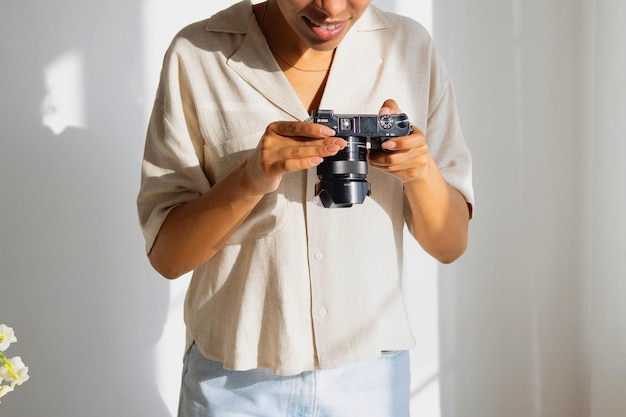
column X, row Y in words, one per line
column 343, row 176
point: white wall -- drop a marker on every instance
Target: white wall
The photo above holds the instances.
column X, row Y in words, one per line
column 533, row 316
column 607, row 246
column 75, row 284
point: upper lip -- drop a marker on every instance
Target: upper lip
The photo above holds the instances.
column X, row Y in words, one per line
column 324, row 23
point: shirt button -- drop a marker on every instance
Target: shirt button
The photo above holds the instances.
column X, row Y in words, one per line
column 322, row 312
column 319, row 256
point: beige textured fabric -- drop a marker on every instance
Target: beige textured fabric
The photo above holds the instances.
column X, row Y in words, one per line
column 298, row 286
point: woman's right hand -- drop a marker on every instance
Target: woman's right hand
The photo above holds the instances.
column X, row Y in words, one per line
column 287, row 147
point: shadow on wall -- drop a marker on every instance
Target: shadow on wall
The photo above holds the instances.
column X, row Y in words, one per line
column 74, row 280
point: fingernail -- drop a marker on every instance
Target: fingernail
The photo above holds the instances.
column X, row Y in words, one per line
column 390, row 145
column 316, row 161
column 327, row 131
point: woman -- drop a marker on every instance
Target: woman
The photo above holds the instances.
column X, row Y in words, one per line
column 293, row 307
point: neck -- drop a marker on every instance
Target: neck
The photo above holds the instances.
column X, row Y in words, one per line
column 289, row 50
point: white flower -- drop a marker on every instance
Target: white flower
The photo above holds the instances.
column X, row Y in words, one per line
column 6, row 337
column 5, row 389
column 14, row 371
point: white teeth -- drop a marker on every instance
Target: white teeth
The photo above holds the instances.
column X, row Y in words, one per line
column 325, row 26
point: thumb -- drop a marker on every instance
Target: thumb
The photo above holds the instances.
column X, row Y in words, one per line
column 389, row 106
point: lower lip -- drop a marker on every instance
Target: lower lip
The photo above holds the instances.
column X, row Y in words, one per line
column 325, row 34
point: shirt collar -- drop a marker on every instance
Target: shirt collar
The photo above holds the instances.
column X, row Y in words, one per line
column 246, row 60
column 235, row 19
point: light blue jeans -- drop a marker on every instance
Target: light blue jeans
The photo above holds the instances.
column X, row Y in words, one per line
column 374, row 388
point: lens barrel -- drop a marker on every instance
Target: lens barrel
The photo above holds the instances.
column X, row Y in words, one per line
column 342, row 177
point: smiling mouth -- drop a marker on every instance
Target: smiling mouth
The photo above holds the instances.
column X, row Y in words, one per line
column 326, row 31
column 324, row 26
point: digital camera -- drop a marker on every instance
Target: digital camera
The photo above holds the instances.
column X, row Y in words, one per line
column 343, row 176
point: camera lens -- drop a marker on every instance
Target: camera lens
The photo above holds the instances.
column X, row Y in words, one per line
column 342, row 177
column 350, row 161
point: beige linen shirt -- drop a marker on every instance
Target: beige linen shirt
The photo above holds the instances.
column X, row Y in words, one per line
column 298, row 286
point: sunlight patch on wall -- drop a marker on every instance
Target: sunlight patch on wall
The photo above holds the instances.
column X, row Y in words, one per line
column 421, row 294
column 64, row 104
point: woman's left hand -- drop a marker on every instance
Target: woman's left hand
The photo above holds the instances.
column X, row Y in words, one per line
column 408, row 156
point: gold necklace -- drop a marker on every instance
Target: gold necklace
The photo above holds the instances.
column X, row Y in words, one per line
column 278, row 53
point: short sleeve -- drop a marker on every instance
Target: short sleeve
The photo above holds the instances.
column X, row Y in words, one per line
column 171, row 170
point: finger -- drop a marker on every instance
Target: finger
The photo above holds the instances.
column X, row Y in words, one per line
column 404, row 143
column 292, row 165
column 389, row 107
column 309, row 149
column 301, row 154
column 303, row 130
column 414, row 140
column 404, row 169
column 386, row 159
column 414, row 152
